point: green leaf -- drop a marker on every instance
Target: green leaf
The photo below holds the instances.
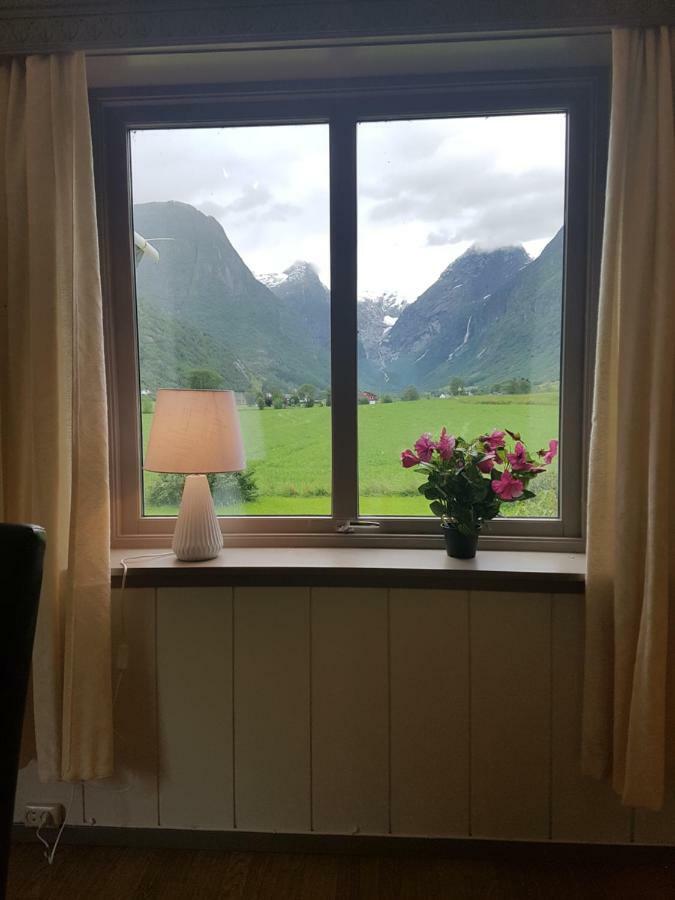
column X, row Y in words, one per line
column 437, row 508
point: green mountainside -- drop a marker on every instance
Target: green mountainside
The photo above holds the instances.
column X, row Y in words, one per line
column 492, row 315
column 201, row 284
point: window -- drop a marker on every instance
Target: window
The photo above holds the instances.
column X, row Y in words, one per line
column 460, row 278
column 235, row 294
column 360, row 264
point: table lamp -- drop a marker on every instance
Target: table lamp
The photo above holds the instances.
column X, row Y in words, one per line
column 195, row 433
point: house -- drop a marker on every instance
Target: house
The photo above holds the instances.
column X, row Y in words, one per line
column 331, row 682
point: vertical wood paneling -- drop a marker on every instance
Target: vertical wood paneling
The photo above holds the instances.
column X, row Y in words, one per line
column 429, row 712
column 582, row 809
column 194, row 656
column 130, row 798
column 510, row 715
column 659, row 827
column 272, row 714
column 29, row 789
column 350, row 710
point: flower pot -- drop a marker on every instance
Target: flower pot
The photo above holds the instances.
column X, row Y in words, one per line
column 458, row 545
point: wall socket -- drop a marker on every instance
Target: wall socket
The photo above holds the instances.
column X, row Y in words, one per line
column 47, row 815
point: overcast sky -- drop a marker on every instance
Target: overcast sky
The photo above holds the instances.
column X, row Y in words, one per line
column 427, row 190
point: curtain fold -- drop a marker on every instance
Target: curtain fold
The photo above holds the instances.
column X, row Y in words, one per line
column 53, row 415
column 631, row 496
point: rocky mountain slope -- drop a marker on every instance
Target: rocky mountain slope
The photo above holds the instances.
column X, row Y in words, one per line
column 491, row 315
column 202, row 284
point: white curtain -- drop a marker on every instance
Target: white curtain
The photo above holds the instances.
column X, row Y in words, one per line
column 53, row 420
column 631, row 500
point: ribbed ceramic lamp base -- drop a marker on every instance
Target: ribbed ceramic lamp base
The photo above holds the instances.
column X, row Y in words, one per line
column 197, row 535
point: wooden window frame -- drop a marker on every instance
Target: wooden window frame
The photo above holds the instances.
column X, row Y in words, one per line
column 581, row 94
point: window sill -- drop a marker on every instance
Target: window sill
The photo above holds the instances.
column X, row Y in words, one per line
column 498, row 570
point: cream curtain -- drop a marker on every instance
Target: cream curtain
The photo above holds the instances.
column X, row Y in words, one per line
column 53, row 421
column 631, row 499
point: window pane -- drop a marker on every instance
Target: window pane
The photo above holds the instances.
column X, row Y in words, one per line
column 460, row 230
column 233, row 293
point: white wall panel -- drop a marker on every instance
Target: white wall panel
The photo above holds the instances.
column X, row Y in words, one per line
column 194, row 658
column 583, row 809
column 29, row 789
column 510, row 715
column 423, row 712
column 130, row 798
column 429, row 712
column 272, row 709
column 350, row 710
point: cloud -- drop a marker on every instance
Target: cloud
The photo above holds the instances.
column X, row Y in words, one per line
column 252, row 196
column 427, row 189
column 211, row 208
column 495, row 180
column 440, row 238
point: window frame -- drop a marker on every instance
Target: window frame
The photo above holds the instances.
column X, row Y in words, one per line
column 581, row 94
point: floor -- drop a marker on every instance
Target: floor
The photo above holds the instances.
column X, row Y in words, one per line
column 99, row 873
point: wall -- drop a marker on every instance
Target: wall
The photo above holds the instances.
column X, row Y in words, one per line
column 352, row 711
column 36, row 25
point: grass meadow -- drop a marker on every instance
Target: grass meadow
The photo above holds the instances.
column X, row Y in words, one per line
column 289, row 451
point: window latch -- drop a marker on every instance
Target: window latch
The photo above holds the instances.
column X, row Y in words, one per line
column 356, row 525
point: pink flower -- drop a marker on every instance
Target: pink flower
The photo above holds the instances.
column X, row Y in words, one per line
column 408, row 459
column 551, row 453
column 493, row 441
column 425, row 447
column 445, row 445
column 507, row 487
column 518, row 459
column 487, row 463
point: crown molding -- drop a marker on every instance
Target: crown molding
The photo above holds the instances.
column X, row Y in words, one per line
column 60, row 25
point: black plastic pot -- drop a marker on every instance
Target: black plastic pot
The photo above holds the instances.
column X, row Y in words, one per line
column 458, row 545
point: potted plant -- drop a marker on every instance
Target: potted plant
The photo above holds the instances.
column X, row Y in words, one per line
column 468, row 481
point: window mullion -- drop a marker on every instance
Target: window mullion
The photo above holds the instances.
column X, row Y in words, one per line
column 343, row 316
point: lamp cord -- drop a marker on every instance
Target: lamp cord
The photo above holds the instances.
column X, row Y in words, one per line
column 50, row 852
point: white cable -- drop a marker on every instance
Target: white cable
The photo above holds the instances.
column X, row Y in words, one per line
column 125, row 563
column 50, row 852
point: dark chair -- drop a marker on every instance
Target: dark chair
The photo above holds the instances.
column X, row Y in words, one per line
column 22, row 550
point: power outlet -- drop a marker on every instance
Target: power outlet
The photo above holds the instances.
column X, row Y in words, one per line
column 47, row 815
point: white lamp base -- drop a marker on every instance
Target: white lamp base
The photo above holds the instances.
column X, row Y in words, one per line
column 197, row 535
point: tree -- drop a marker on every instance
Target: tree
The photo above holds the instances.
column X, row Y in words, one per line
column 307, row 392
column 410, row 393
column 386, row 399
column 203, row 379
column 260, row 401
column 456, row 386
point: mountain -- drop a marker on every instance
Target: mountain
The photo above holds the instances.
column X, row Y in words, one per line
column 376, row 316
column 515, row 332
column 170, row 347
column 202, row 284
column 308, row 297
column 490, row 316
column 430, row 331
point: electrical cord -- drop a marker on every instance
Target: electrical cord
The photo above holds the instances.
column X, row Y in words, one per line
column 50, row 852
column 125, row 563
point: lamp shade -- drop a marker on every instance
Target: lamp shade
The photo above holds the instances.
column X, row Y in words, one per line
column 195, row 432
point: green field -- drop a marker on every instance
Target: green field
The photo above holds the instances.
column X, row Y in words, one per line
column 289, row 452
